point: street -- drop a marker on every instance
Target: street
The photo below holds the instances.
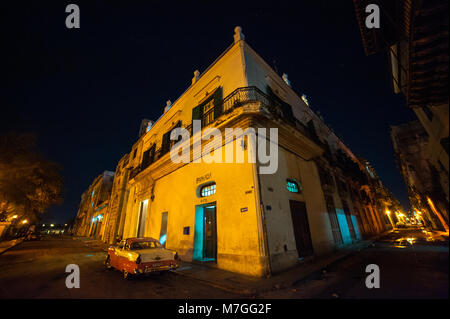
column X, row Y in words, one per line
column 409, row 268
column 36, row 269
column 407, row 271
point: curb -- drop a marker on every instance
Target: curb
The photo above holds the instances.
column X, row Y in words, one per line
column 287, row 283
column 17, row 242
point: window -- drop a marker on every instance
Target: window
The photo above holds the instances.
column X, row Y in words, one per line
column 335, row 229
column 144, row 245
column 325, row 177
column 167, row 143
column 134, row 153
column 208, row 190
column 292, row 186
column 208, row 111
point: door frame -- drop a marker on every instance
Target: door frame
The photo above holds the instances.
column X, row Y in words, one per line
column 199, row 233
column 308, row 244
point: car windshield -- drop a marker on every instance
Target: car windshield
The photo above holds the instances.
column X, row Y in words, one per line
column 144, row 245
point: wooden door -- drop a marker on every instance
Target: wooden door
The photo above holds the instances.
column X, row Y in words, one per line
column 301, row 228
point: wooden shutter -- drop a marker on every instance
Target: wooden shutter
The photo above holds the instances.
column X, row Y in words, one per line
column 145, row 159
column 165, row 143
column 218, row 103
column 284, row 107
column 197, row 112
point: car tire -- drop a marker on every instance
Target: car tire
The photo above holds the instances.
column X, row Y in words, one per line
column 126, row 275
column 108, row 262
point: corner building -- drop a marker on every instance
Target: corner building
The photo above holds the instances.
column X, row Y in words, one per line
column 228, row 214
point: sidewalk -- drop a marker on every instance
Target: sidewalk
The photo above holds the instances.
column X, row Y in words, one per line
column 92, row 243
column 249, row 286
column 5, row 245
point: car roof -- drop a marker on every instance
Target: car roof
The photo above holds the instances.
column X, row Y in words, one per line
column 140, row 239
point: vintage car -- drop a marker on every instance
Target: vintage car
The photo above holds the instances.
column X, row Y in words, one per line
column 135, row 256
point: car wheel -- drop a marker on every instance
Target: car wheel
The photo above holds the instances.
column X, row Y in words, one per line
column 126, row 275
column 108, row 262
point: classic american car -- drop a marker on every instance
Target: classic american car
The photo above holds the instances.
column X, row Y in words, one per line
column 135, row 256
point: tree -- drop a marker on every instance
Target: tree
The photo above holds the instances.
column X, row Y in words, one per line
column 28, row 182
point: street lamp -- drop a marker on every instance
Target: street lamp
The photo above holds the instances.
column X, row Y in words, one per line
column 24, row 221
column 388, row 213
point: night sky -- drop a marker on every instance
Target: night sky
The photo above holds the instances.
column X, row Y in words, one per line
column 84, row 91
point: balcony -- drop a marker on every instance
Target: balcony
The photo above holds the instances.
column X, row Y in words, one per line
column 238, row 98
column 251, row 94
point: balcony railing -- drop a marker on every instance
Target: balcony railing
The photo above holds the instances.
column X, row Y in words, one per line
column 243, row 96
column 235, row 99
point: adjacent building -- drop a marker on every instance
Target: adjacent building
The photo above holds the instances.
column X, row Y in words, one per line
column 410, row 142
column 115, row 212
column 219, row 206
column 414, row 35
column 93, row 205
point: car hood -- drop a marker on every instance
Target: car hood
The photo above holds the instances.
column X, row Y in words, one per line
column 155, row 254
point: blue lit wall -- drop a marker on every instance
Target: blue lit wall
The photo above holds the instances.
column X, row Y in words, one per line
column 343, row 226
column 198, row 234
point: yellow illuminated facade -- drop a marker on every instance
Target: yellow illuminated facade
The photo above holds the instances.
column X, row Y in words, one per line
column 229, row 214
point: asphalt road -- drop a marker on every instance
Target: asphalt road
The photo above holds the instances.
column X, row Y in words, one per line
column 415, row 269
column 408, row 269
column 36, row 269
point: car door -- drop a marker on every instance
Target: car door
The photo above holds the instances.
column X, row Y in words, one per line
column 121, row 255
column 113, row 254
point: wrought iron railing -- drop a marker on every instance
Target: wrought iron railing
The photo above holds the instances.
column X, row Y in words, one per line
column 235, row 99
column 242, row 96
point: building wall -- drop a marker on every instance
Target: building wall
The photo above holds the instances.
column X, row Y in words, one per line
column 93, row 202
column 115, row 211
column 254, row 223
column 437, row 128
column 411, row 144
column 276, row 197
column 238, row 234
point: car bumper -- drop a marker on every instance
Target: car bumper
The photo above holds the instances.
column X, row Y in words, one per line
column 152, row 268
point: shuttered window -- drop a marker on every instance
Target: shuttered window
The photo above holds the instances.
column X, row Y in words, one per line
column 210, row 109
column 337, row 236
column 166, row 142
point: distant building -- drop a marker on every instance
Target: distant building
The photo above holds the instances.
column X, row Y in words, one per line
column 94, row 201
column 115, row 213
column 414, row 35
column 320, row 198
column 410, row 142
